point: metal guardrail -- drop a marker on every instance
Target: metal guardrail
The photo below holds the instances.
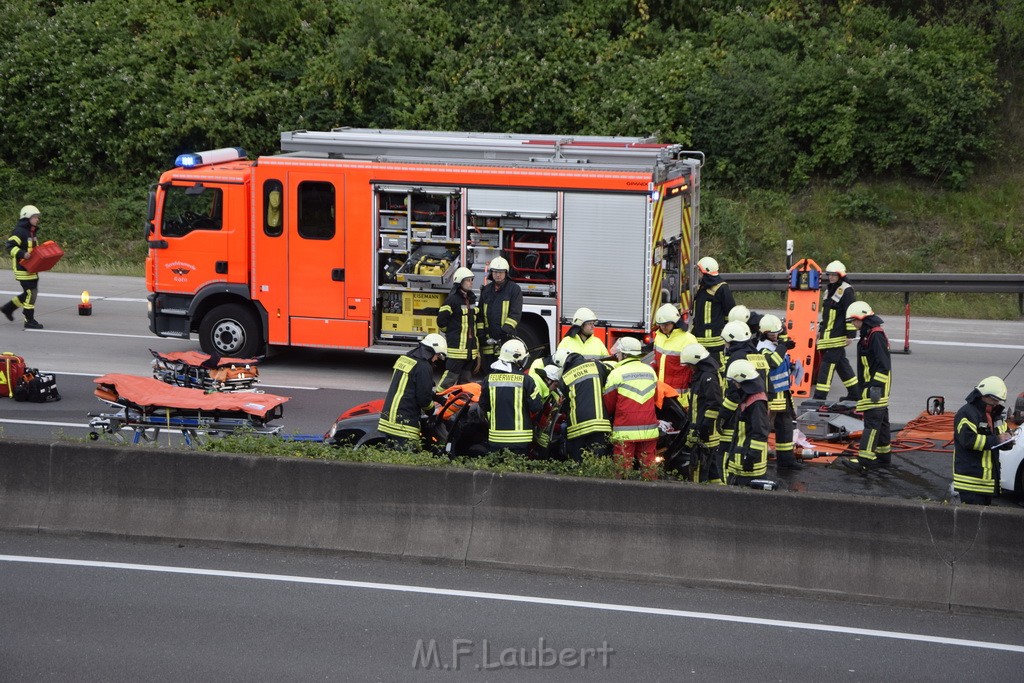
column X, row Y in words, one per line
column 907, row 283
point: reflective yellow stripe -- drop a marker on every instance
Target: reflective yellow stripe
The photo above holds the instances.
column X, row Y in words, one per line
column 510, row 436
column 965, row 482
column 587, row 427
column 399, row 429
column 643, row 433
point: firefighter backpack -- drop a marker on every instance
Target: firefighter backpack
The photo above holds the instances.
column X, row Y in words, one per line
column 36, row 387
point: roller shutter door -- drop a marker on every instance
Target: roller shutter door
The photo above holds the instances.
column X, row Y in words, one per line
column 605, row 256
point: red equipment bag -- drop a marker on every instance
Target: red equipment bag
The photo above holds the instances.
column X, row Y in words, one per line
column 12, row 367
column 43, row 257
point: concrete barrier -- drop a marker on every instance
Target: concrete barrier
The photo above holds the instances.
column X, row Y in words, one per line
column 896, row 551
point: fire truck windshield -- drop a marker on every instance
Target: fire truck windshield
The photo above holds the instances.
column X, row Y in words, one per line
column 186, row 210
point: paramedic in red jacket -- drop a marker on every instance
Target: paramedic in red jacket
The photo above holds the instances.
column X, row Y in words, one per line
column 671, row 338
column 629, row 397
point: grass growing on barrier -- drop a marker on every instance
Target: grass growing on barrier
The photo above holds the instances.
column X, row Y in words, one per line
column 501, row 461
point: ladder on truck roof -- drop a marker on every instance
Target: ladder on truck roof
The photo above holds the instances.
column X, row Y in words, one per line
column 504, row 149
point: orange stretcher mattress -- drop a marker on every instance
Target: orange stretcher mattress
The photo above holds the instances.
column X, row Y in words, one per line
column 146, row 391
column 197, row 359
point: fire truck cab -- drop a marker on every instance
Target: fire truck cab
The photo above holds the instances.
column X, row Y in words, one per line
column 349, row 238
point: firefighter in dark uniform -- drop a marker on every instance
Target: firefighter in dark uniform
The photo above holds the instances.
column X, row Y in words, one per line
column 582, row 385
column 745, row 315
column 746, row 454
column 711, row 306
column 705, row 401
column 740, row 344
column 456, row 319
column 781, row 413
column 874, row 368
column 979, row 434
column 835, row 334
column 542, row 372
column 510, row 398
column 19, row 245
column 501, row 309
column 411, row 393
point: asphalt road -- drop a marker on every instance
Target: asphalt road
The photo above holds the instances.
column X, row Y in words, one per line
column 947, row 359
column 92, row 609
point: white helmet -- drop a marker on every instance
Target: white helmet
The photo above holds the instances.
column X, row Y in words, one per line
column 770, row 324
column 666, row 314
column 708, row 266
column 736, row 331
column 992, row 386
column 461, row 274
column 693, row 354
column 836, row 267
column 513, row 351
column 583, row 315
column 498, row 263
column 739, row 312
column 629, row 346
column 559, row 356
column 28, row 211
column 858, row 310
column 741, row 370
column 436, row 343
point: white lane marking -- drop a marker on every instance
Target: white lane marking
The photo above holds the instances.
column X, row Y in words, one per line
column 44, row 424
column 269, row 386
column 974, row 345
column 78, row 297
column 506, row 597
column 101, row 334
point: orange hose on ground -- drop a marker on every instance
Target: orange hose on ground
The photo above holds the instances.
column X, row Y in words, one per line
column 930, row 433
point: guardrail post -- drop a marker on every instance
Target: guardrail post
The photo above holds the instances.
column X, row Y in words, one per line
column 906, row 317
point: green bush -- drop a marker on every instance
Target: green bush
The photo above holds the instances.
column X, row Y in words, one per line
column 784, row 96
column 775, row 93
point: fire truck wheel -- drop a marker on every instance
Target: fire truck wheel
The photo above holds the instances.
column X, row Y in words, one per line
column 536, row 341
column 230, row 330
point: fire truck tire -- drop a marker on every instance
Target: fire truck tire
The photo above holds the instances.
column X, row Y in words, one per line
column 535, row 341
column 230, row 330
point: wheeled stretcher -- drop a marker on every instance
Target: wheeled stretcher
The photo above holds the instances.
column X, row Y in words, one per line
column 196, row 370
column 148, row 406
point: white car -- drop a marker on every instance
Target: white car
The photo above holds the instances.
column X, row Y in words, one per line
column 1011, row 465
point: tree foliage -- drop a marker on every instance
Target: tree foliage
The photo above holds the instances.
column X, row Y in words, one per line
column 776, row 92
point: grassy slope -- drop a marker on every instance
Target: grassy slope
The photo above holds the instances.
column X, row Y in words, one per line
column 922, row 229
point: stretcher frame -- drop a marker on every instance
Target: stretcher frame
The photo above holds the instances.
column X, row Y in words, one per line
column 179, row 372
column 146, row 421
column 193, row 425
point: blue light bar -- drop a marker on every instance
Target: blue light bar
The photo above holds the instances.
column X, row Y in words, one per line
column 212, row 156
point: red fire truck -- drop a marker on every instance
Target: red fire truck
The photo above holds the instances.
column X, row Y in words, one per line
column 349, row 239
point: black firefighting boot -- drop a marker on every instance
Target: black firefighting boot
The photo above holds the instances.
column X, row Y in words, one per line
column 820, row 395
column 859, row 465
column 30, row 320
column 8, row 309
column 789, row 463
